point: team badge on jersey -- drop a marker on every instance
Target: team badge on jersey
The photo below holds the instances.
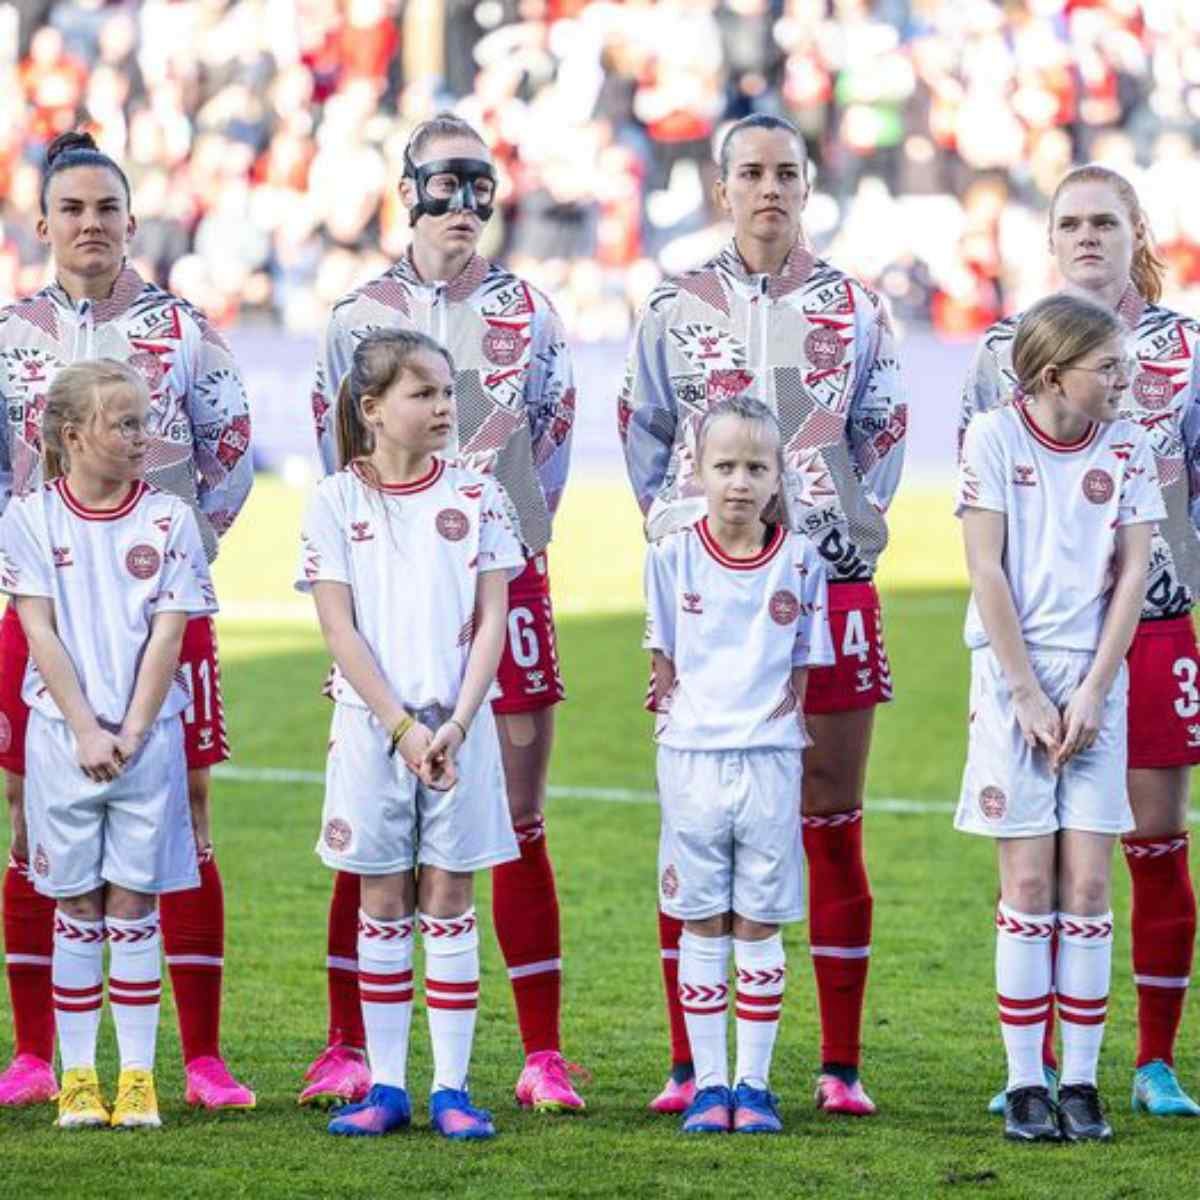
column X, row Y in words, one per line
column 453, row 524
column 142, row 561
column 1098, row 486
column 1152, row 390
column 503, row 345
column 337, row 834
column 824, row 349
column 670, row 883
column 993, row 803
column 784, row 607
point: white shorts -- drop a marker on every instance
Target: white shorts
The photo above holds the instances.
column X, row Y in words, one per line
column 730, row 839
column 1008, row 790
column 379, row 818
column 135, row 831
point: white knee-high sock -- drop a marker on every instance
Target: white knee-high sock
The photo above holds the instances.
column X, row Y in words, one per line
column 761, row 968
column 451, row 994
column 704, row 997
column 1084, row 971
column 1023, row 981
column 135, row 987
column 77, row 977
column 385, row 987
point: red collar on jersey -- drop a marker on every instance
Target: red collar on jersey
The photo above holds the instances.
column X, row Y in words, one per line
column 1040, row 435
column 403, row 489
column 765, row 555
column 137, row 490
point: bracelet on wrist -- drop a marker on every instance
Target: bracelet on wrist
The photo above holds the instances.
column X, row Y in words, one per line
column 460, row 726
column 402, row 727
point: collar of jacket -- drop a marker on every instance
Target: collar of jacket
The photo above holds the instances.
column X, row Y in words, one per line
column 464, row 284
column 797, row 267
column 126, row 289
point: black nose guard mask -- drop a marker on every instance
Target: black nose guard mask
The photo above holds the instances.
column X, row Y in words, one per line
column 468, row 171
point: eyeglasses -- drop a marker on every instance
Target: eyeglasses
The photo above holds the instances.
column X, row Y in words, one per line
column 1121, row 368
column 131, row 428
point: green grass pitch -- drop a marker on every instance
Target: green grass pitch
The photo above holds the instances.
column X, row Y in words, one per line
column 932, row 1047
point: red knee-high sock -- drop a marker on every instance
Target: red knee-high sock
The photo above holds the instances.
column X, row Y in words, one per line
column 1049, row 1057
column 525, row 913
column 29, row 945
column 839, row 898
column 345, row 1008
column 193, row 937
column 1164, row 934
column 669, row 930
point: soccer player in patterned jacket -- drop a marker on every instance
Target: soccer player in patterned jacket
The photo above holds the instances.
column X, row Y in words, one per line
column 1104, row 250
column 767, row 319
column 98, row 306
column 1058, row 499
column 515, row 406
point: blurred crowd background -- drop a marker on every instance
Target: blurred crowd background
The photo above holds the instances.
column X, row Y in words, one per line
column 264, row 138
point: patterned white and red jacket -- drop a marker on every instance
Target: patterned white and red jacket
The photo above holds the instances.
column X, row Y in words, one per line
column 514, row 391
column 812, row 344
column 200, row 447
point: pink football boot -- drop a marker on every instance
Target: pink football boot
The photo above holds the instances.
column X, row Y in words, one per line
column 835, row 1095
column 211, row 1085
column 28, row 1080
column 675, row 1097
column 545, row 1084
column 338, row 1075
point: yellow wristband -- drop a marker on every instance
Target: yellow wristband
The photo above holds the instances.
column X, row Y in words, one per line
column 402, row 727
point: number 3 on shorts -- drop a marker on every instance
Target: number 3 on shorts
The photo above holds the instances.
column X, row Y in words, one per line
column 1187, row 703
column 522, row 638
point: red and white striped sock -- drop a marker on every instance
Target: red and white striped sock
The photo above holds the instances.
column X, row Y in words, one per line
column 1164, row 937
column 451, row 994
column 761, row 968
column 704, row 997
column 77, row 975
column 1083, row 973
column 385, row 984
column 1023, row 987
column 135, row 987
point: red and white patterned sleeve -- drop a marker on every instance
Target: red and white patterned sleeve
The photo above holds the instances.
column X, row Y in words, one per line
column 551, row 398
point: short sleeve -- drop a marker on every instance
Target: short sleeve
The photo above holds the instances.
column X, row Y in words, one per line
column 1141, row 496
column 814, row 641
column 981, row 475
column 25, row 568
column 660, row 582
column 185, row 584
column 499, row 547
column 322, row 544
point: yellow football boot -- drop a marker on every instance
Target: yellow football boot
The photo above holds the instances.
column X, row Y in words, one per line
column 137, row 1103
column 80, row 1103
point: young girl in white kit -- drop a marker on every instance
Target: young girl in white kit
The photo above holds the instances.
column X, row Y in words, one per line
column 737, row 612
column 1058, row 499
column 408, row 556
column 105, row 572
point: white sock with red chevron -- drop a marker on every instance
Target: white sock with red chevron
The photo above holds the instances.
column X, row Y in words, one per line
column 761, row 967
column 1023, row 981
column 451, row 994
column 77, row 976
column 1083, row 971
column 135, row 987
column 704, row 996
column 385, row 988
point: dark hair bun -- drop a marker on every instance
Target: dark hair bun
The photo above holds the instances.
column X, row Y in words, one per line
column 74, row 139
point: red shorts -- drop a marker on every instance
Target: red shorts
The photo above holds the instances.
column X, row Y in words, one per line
column 203, row 723
column 1164, row 695
column 861, row 676
column 528, row 676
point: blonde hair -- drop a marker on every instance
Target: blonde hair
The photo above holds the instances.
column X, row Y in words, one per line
column 379, row 358
column 76, row 397
column 1059, row 331
column 1147, row 269
column 753, row 412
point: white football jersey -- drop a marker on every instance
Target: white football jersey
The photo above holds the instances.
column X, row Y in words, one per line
column 1063, row 503
column 734, row 629
column 411, row 555
column 108, row 572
